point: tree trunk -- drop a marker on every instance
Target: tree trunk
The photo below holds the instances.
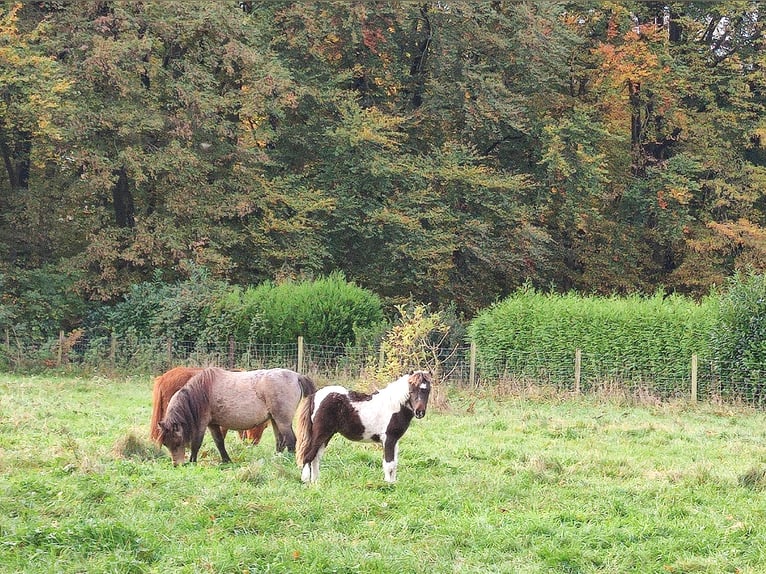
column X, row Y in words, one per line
column 16, row 159
column 124, row 211
column 418, row 65
column 636, row 126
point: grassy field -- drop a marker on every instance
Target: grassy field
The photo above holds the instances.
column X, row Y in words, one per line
column 486, row 484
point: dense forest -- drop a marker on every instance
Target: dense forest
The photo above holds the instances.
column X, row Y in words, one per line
column 446, row 151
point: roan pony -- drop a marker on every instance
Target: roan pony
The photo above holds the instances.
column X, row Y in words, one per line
column 167, row 385
column 382, row 417
column 216, row 398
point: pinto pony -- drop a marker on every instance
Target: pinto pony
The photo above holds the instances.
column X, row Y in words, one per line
column 382, row 417
column 167, row 385
column 215, row 398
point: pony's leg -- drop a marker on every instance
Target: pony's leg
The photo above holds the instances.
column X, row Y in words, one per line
column 278, row 439
column 390, row 459
column 196, row 443
column 218, row 438
column 284, row 435
column 310, row 472
column 288, row 438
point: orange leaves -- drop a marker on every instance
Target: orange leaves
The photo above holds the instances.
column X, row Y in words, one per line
column 631, row 61
column 741, row 233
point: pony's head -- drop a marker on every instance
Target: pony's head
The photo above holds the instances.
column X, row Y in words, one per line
column 420, row 387
column 172, row 437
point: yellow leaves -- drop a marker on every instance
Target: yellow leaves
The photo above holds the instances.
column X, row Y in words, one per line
column 8, row 29
column 741, row 233
column 680, row 195
column 631, row 61
column 367, row 126
column 61, row 86
column 406, row 345
column 759, row 136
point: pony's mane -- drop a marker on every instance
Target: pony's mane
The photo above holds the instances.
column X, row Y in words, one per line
column 420, row 377
column 395, row 393
column 189, row 402
column 165, row 386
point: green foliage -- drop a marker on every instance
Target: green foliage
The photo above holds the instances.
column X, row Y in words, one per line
column 446, row 152
column 37, row 303
column 738, row 337
column 644, row 331
column 412, row 343
column 158, row 310
column 325, row 311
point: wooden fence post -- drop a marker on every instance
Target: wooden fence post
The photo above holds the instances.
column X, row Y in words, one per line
column 231, row 352
column 694, row 378
column 577, row 370
column 300, row 353
column 472, row 366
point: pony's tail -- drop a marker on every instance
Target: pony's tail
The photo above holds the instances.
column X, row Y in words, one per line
column 158, row 411
column 307, row 385
column 303, row 429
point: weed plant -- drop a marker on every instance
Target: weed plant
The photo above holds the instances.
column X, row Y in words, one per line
column 525, row 483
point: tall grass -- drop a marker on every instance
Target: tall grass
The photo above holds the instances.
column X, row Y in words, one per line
column 643, row 332
column 490, row 483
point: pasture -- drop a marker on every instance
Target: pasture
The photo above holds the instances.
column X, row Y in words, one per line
column 486, row 483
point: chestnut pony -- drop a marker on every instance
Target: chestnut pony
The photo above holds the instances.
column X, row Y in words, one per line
column 215, row 398
column 167, row 385
column 382, row 417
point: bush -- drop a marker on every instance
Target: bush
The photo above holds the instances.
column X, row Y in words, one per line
column 413, row 343
column 641, row 331
column 738, row 339
column 158, row 310
column 37, row 303
column 325, row 311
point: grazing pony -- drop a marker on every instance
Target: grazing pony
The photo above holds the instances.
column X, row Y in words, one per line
column 167, row 385
column 216, row 398
column 382, row 417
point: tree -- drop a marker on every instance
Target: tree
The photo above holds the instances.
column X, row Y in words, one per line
column 171, row 106
column 34, row 92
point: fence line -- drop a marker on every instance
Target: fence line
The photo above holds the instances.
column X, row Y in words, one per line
column 693, row 378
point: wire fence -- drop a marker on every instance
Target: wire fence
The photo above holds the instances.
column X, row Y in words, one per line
column 569, row 371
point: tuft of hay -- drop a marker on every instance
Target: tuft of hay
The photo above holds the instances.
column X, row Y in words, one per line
column 134, row 447
column 253, row 472
column 754, row 479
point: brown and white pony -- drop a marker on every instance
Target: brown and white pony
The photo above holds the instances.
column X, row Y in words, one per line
column 167, row 385
column 239, row 400
column 382, row 417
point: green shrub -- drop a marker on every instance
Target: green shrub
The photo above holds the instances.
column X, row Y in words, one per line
column 640, row 331
column 738, row 340
column 326, row 311
column 37, row 303
column 158, row 310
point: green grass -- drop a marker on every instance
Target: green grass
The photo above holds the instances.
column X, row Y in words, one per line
column 490, row 484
